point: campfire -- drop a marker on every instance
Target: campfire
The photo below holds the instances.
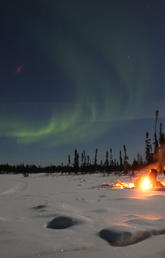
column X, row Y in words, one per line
column 147, row 179
column 145, row 182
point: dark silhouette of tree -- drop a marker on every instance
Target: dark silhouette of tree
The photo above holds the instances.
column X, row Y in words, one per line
column 107, row 159
column 95, row 160
column 76, row 159
column 88, row 160
column 125, row 154
column 161, row 136
column 84, row 155
column 125, row 159
column 120, row 159
column 156, row 120
column 69, row 161
column 148, row 149
column 156, row 143
column 82, row 159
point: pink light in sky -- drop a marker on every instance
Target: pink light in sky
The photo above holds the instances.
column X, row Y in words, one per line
column 19, row 69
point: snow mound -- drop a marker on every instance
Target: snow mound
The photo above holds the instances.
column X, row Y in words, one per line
column 62, row 222
column 123, row 238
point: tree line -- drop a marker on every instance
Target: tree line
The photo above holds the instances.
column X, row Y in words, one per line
column 83, row 163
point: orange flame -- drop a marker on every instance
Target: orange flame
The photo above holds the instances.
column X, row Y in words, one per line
column 121, row 185
column 143, row 183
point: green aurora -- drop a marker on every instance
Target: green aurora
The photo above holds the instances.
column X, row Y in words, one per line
column 102, row 54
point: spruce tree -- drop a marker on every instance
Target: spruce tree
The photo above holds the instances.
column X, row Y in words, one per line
column 69, row 161
column 161, row 136
column 95, row 161
column 156, row 143
column 148, row 149
column 125, row 159
column 107, row 159
column 121, row 160
column 76, row 159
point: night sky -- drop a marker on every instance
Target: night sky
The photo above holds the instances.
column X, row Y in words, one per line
column 79, row 74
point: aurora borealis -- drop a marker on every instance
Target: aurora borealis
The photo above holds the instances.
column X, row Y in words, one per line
column 91, row 75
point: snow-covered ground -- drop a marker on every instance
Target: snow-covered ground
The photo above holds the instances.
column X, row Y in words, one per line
column 72, row 217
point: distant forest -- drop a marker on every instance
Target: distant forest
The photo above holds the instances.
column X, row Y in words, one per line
column 82, row 163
